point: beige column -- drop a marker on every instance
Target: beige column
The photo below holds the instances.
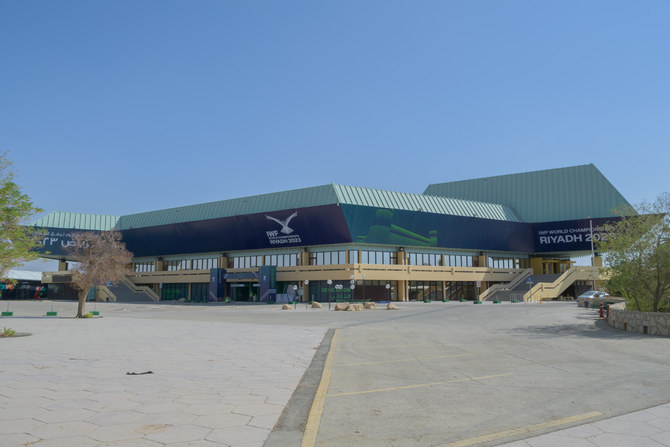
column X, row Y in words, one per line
column 536, row 265
column 62, row 265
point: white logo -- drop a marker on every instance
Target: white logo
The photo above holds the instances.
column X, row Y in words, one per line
column 284, row 223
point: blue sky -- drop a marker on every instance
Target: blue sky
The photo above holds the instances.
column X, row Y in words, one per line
column 117, row 107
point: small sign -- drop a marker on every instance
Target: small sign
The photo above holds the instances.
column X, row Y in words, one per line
column 479, row 284
column 529, row 280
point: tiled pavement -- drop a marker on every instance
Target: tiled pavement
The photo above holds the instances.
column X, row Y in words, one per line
column 646, row 428
column 212, row 384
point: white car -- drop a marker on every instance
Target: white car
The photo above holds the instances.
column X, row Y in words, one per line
column 593, row 294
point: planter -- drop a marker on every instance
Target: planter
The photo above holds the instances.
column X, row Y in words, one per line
column 7, row 314
column 51, row 314
column 95, row 312
column 496, row 302
column 477, row 302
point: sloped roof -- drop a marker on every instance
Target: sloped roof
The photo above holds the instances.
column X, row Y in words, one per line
column 299, row 198
column 378, row 198
column 567, row 193
column 80, row 221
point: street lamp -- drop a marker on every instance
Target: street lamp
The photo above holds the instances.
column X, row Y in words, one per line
column 363, row 276
column 306, row 282
column 388, row 291
column 329, row 282
column 295, row 296
column 353, row 295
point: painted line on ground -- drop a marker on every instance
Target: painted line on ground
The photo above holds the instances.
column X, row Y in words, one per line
column 523, row 430
column 314, row 418
column 420, row 385
column 404, row 360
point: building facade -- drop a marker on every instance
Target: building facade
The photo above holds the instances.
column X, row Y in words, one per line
column 457, row 240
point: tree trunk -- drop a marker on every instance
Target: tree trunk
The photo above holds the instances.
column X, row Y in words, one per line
column 82, row 303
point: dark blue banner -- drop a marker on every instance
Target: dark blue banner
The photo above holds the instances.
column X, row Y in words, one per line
column 57, row 241
column 420, row 229
column 317, row 225
column 570, row 235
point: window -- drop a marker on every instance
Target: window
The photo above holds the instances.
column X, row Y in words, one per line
column 327, row 257
column 178, row 264
column 205, row 263
column 144, row 267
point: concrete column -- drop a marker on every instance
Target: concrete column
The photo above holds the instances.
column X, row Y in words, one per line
column 536, row 265
column 160, row 265
column 62, row 265
column 304, row 258
column 402, row 291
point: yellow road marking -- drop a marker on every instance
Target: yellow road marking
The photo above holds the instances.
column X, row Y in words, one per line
column 403, row 360
column 523, row 430
column 421, row 385
column 314, row 418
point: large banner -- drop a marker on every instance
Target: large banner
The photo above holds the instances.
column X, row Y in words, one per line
column 57, row 241
column 420, row 229
column 317, row 225
column 570, row 235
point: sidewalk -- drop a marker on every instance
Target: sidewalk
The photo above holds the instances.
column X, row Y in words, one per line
column 210, row 383
column 645, row 428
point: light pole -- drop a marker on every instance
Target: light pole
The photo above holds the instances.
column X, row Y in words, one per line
column 306, row 283
column 338, row 287
column 295, row 296
column 329, row 282
column 353, row 295
column 388, row 291
column 363, row 287
column 593, row 256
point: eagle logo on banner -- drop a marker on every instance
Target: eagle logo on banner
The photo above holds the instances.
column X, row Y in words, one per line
column 285, row 229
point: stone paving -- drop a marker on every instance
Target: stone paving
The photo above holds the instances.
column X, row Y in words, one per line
column 646, row 428
column 211, row 384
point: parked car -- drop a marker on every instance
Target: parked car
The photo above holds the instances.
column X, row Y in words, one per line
column 593, row 294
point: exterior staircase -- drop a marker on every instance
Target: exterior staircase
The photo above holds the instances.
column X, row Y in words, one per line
column 126, row 292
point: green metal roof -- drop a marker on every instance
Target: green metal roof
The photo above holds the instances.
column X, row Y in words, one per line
column 542, row 196
column 419, row 202
column 299, row 198
column 316, row 196
column 80, row 221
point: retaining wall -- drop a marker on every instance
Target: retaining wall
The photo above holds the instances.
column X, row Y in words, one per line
column 652, row 323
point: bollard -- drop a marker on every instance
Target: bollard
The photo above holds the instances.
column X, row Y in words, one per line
column 608, row 311
column 601, row 310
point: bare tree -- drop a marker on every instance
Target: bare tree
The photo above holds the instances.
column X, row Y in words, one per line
column 102, row 258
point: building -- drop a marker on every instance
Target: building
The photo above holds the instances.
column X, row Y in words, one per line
column 475, row 239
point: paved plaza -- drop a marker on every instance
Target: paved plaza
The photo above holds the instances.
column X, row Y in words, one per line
column 428, row 374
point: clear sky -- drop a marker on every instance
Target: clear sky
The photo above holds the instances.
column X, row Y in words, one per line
column 117, row 107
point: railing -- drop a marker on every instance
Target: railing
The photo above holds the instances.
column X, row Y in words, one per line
column 140, row 289
column 393, row 272
column 543, row 291
column 518, row 279
column 179, row 276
